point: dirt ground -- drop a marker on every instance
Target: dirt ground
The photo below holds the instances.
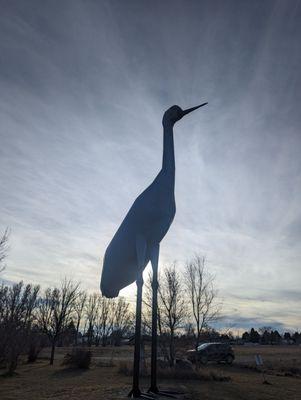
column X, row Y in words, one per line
column 39, row 381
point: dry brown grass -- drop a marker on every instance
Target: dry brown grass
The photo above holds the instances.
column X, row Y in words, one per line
column 173, row 373
column 40, row 381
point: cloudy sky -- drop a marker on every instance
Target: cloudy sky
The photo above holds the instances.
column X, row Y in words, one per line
column 83, row 88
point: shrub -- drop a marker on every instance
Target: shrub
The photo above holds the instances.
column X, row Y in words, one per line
column 33, row 353
column 78, row 359
column 36, row 343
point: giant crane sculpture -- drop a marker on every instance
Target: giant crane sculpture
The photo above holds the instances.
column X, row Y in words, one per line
column 137, row 241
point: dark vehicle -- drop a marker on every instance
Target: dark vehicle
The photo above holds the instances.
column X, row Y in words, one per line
column 212, row 352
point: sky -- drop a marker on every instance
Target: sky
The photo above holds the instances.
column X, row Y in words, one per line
column 84, row 85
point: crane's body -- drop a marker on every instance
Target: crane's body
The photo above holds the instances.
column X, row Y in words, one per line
column 149, row 218
column 137, row 242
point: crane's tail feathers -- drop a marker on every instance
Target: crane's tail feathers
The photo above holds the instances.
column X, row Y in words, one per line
column 109, row 292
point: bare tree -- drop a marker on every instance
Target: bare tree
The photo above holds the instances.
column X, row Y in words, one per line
column 91, row 311
column 17, row 304
column 55, row 311
column 105, row 320
column 3, row 248
column 123, row 319
column 79, row 310
column 172, row 307
column 201, row 294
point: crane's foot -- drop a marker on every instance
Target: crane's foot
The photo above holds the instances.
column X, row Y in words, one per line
column 137, row 394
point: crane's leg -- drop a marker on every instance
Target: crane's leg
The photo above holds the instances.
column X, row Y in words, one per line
column 154, row 257
column 136, row 392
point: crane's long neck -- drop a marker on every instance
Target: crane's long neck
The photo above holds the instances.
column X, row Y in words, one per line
column 168, row 164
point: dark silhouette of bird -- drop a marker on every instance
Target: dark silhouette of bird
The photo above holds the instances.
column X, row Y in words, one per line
column 147, row 221
column 138, row 238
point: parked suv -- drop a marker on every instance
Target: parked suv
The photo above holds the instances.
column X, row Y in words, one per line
column 212, row 352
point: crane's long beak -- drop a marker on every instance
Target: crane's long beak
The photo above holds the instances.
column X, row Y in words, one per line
column 192, row 109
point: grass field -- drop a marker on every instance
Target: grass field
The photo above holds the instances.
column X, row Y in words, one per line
column 103, row 380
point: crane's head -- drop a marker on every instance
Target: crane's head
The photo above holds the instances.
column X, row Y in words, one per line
column 175, row 113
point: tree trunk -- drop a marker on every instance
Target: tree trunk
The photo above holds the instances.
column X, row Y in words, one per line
column 52, row 353
column 172, row 349
column 77, row 329
column 198, row 334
